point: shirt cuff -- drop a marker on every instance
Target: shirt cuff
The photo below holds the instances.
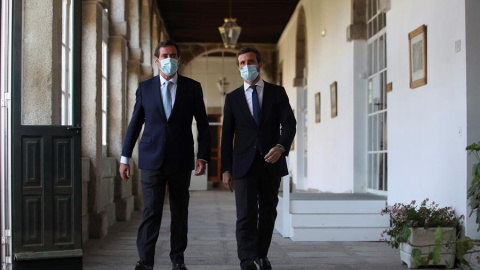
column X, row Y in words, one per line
column 281, row 148
column 125, row 160
column 203, row 160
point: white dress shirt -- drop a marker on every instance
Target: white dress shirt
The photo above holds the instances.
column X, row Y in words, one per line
column 248, row 93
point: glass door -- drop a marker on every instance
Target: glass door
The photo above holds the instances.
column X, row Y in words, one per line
column 46, row 150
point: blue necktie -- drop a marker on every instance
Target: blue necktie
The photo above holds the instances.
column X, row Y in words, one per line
column 167, row 101
column 255, row 105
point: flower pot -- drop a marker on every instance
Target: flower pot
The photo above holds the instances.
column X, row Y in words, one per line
column 426, row 237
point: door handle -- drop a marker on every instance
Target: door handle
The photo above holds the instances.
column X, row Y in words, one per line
column 77, row 128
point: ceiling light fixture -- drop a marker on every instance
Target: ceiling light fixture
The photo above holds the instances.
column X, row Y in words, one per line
column 230, row 31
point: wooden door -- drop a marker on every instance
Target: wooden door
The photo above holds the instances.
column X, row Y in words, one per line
column 46, row 147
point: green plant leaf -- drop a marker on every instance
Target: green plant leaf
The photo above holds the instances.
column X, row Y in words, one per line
column 439, row 234
column 463, row 246
column 403, row 236
column 436, row 254
column 473, row 147
column 417, row 255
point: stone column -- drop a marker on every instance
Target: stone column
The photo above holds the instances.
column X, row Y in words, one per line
column 358, row 29
column 145, row 40
column 134, row 73
column 118, row 53
column 92, row 111
column 133, row 17
column 135, row 59
column 155, row 41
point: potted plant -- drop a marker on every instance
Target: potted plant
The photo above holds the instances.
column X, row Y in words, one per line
column 473, row 193
column 425, row 234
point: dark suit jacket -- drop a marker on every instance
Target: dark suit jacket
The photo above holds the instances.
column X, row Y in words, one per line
column 168, row 142
column 240, row 132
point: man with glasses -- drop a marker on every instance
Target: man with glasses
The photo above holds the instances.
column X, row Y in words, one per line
column 165, row 107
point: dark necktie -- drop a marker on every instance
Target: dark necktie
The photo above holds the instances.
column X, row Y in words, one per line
column 255, row 105
column 167, row 101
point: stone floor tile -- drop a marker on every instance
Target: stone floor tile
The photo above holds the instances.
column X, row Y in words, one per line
column 212, row 244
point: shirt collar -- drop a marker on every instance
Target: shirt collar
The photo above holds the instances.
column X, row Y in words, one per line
column 173, row 80
column 259, row 83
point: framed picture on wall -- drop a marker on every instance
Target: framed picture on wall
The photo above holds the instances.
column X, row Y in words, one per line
column 417, row 47
column 317, row 107
column 333, row 99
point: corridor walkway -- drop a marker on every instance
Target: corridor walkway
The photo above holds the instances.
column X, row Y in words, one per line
column 212, row 244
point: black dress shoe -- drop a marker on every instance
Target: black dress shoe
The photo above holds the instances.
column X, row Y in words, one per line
column 264, row 263
column 251, row 267
column 179, row 266
column 141, row 266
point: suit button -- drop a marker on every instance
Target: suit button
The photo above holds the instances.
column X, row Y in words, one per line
column 254, row 147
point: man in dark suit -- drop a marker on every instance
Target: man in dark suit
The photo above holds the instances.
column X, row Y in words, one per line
column 165, row 106
column 258, row 130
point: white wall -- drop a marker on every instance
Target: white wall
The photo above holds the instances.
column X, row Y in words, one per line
column 330, row 58
column 208, row 70
column 427, row 125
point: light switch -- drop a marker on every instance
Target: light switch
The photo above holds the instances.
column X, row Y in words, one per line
column 458, row 45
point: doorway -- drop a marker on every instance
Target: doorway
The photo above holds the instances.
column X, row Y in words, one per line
column 214, row 173
column 46, row 152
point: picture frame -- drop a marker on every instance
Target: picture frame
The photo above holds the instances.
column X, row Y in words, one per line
column 417, row 49
column 317, row 107
column 333, row 99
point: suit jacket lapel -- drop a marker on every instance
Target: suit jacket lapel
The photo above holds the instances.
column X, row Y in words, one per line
column 266, row 102
column 243, row 104
column 181, row 92
column 157, row 93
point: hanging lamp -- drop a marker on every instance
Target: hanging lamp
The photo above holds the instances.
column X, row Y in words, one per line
column 230, row 31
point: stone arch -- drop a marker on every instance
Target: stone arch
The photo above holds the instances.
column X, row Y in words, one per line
column 192, row 50
column 301, row 50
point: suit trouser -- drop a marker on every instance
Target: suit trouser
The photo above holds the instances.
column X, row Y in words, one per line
column 153, row 188
column 256, row 197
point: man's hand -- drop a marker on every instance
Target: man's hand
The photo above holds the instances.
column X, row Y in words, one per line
column 200, row 167
column 124, row 171
column 273, row 155
column 228, row 181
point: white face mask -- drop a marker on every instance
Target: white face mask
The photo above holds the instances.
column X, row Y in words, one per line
column 169, row 66
column 249, row 73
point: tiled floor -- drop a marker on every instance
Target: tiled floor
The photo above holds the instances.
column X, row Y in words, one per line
column 212, row 244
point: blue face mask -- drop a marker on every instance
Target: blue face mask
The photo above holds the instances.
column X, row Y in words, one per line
column 169, row 66
column 249, row 73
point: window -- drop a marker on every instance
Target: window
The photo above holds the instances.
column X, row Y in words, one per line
column 104, row 92
column 66, row 75
column 377, row 99
column 105, row 82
